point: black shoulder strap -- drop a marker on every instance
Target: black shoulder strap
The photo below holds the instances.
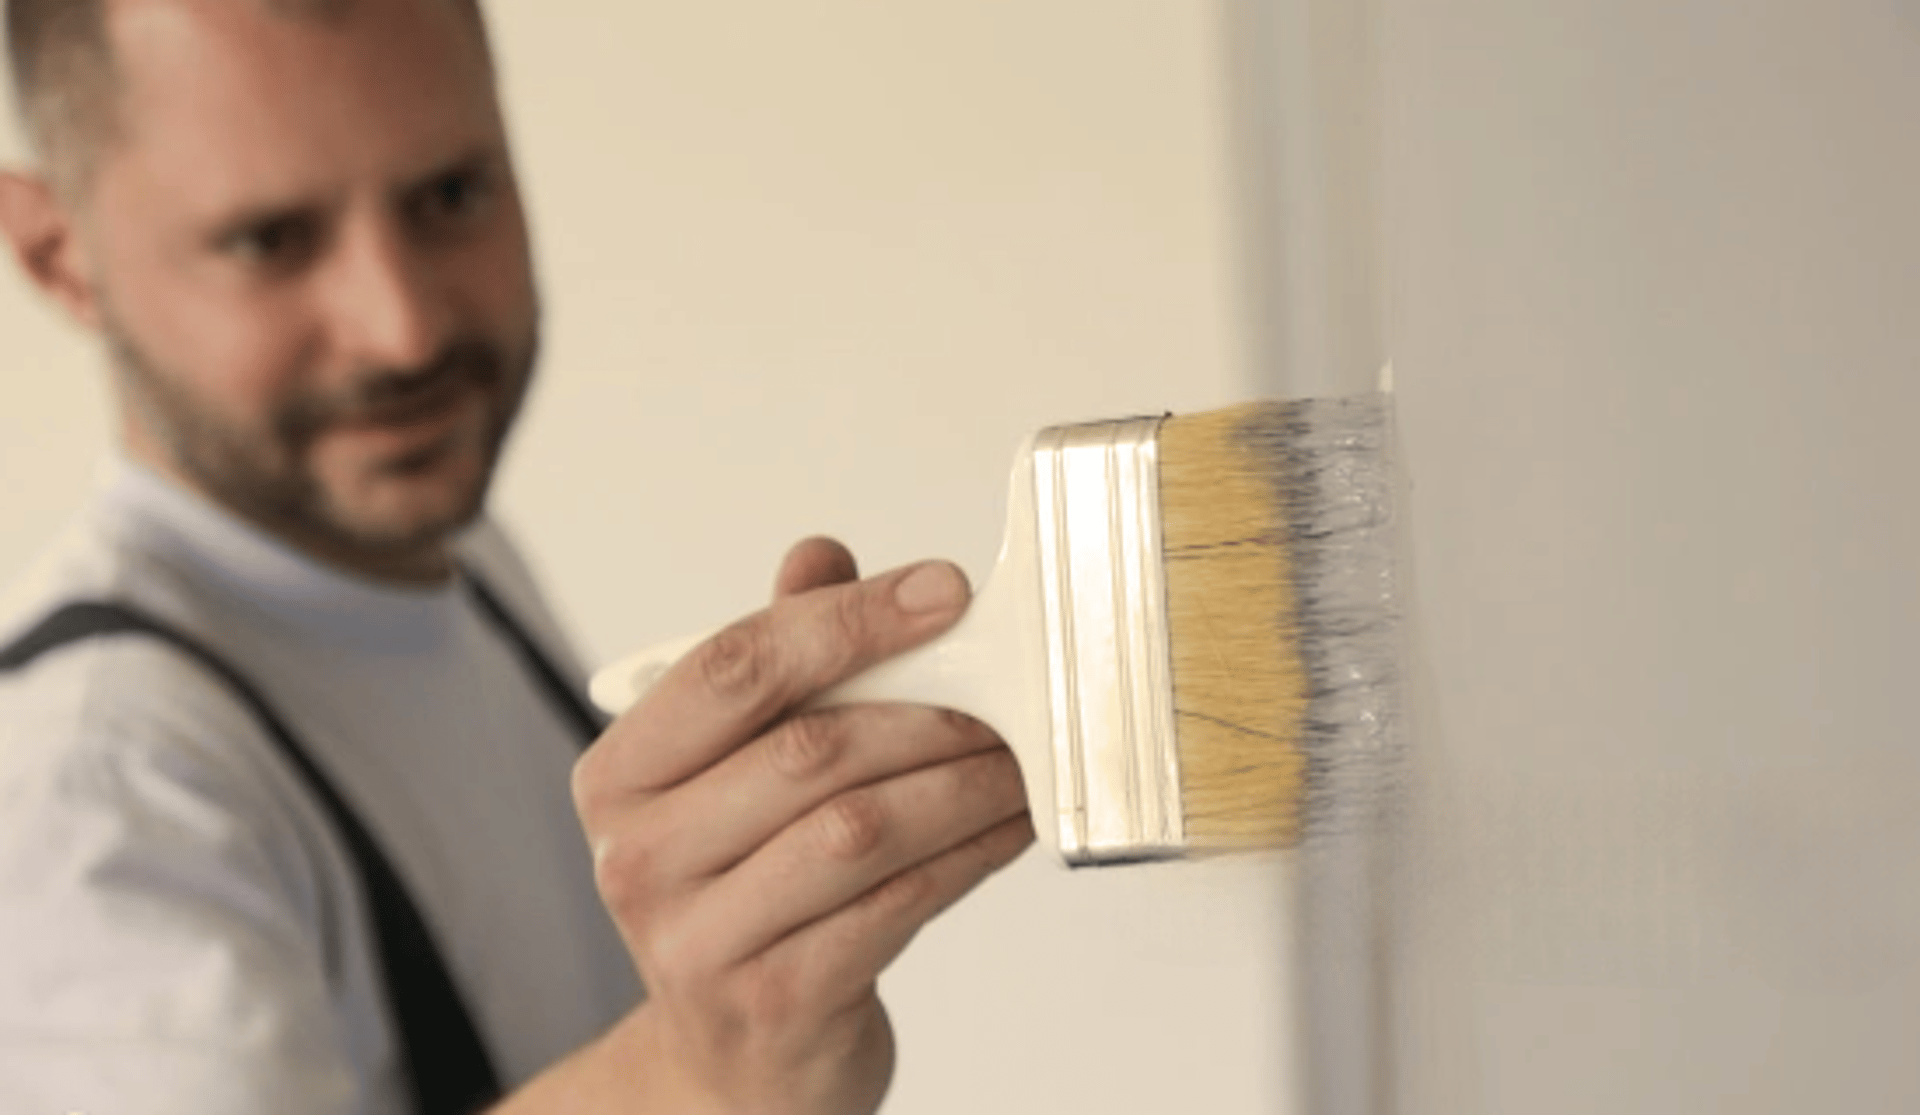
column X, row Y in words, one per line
column 448, row 1065
column 565, row 699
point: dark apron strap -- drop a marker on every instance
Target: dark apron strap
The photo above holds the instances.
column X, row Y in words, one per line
column 447, row 1063
column 565, row 699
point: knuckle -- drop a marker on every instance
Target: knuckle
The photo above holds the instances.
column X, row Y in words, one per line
column 847, row 621
column 804, row 746
column 851, row 826
column 900, row 896
column 583, row 784
column 737, row 661
column 834, row 633
column 596, row 784
column 623, row 874
column 678, row 963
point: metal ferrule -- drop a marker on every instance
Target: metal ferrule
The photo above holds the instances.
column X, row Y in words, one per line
column 1110, row 687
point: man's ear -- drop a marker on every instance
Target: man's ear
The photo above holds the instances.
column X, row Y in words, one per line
column 46, row 241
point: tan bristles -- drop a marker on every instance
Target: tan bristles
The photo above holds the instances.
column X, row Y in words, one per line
column 1240, row 681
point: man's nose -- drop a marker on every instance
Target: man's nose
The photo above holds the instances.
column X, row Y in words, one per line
column 389, row 307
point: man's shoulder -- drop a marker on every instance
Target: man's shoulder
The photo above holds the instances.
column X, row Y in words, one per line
column 78, row 562
column 119, row 702
column 112, row 701
column 150, row 854
column 78, row 704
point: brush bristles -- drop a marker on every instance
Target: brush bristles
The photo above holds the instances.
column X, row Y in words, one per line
column 1239, row 686
column 1272, row 517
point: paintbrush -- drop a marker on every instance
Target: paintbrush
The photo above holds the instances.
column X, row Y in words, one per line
column 1188, row 637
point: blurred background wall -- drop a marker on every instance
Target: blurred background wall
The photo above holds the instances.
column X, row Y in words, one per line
column 1647, row 273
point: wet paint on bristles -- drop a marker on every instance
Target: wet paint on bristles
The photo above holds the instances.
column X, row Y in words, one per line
column 1281, row 621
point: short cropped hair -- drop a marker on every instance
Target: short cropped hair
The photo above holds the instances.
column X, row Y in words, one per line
column 65, row 84
column 63, row 80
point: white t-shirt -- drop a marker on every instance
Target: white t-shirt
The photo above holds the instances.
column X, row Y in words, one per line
column 181, row 930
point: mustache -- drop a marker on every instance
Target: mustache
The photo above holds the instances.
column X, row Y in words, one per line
column 390, row 395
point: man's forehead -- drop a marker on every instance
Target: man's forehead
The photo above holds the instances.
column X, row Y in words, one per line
column 235, row 100
column 291, row 9
column 120, row 14
column 245, row 22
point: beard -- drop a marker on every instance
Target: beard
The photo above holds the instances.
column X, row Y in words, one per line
column 385, row 506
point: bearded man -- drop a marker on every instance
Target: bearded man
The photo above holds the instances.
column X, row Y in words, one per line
column 292, row 786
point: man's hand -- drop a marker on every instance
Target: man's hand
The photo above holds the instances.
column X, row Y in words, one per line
column 765, row 865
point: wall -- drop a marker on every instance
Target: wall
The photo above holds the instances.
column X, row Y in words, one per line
column 819, row 268
column 1651, row 271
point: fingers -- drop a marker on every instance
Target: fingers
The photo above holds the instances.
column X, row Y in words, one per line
column 849, row 845
column 754, row 793
column 736, row 683
column 814, row 563
column 762, row 864
column 853, row 945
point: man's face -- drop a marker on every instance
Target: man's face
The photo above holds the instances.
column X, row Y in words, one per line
column 311, row 263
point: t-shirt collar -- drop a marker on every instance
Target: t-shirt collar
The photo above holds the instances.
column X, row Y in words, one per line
column 182, row 527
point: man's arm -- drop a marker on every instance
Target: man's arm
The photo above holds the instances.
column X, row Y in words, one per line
column 160, row 882
column 764, row 867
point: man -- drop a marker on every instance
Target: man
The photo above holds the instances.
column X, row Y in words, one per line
column 295, row 225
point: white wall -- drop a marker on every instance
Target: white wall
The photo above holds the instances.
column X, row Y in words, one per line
column 1652, row 272
column 820, row 267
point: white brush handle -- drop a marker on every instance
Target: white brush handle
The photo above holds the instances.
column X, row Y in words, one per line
column 967, row 668
column 991, row 665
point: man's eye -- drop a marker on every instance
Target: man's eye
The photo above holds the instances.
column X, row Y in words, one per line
column 278, row 242
column 453, row 196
